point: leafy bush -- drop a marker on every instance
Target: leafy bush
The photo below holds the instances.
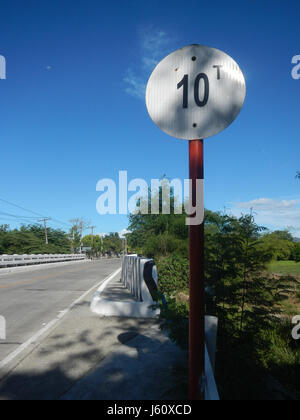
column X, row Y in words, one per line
column 174, row 318
column 281, row 357
column 255, row 349
column 173, row 272
column 279, row 243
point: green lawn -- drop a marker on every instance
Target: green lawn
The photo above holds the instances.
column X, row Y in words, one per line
column 284, row 267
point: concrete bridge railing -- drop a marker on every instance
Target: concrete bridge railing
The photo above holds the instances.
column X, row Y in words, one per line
column 139, row 275
column 21, row 260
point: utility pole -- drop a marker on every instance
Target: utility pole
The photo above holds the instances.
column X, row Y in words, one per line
column 93, row 227
column 45, row 227
column 81, row 230
column 101, row 240
column 79, row 225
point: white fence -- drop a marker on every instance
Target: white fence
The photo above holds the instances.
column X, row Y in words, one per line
column 19, row 260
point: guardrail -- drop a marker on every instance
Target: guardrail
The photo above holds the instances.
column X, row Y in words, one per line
column 19, row 260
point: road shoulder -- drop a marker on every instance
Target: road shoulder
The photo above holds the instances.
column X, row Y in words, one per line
column 90, row 357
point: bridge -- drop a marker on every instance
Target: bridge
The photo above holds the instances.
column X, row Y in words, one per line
column 57, row 348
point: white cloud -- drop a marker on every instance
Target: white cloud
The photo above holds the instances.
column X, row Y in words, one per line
column 268, row 204
column 154, row 45
column 102, row 235
column 272, row 213
column 135, row 86
column 123, row 233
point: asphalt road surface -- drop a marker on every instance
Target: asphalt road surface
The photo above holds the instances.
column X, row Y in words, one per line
column 30, row 300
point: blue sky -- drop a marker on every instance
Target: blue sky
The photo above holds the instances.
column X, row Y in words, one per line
column 72, row 108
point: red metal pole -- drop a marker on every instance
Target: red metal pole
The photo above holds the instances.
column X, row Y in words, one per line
column 197, row 294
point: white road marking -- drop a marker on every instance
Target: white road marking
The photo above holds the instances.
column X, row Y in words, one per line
column 51, row 324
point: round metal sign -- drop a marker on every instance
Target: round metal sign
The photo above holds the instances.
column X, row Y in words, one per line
column 195, row 92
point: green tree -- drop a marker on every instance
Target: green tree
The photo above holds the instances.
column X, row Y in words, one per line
column 31, row 240
column 93, row 241
column 3, row 233
column 112, row 244
column 279, row 243
column 296, row 252
column 155, row 235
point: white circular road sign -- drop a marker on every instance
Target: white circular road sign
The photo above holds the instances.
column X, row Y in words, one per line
column 195, row 92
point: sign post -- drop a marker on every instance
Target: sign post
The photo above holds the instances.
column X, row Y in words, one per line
column 192, row 94
column 197, row 298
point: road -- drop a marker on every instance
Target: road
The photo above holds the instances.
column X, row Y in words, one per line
column 56, row 348
column 30, row 300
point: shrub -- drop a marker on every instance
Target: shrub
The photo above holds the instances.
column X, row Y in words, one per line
column 173, row 272
column 174, row 317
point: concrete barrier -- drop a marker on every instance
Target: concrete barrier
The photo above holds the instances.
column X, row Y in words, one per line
column 211, row 391
column 211, row 331
column 139, row 277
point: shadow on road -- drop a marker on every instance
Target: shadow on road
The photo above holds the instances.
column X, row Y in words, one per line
column 115, row 359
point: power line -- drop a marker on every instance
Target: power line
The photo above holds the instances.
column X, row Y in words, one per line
column 8, row 219
column 17, row 216
column 25, row 219
column 63, row 223
column 30, row 211
column 22, row 208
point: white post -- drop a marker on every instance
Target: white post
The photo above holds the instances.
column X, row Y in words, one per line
column 2, row 328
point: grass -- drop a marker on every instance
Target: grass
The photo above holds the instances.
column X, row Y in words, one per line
column 288, row 268
column 285, row 268
column 290, row 308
